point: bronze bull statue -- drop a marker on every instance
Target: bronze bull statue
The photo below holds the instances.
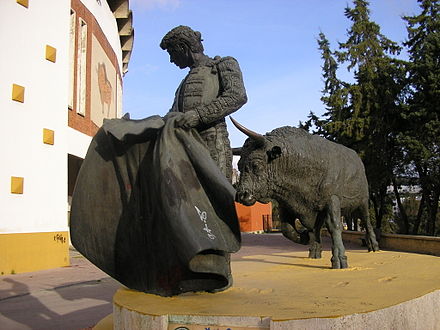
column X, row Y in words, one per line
column 313, row 180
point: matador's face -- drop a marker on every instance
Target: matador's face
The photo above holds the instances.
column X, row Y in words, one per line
column 180, row 55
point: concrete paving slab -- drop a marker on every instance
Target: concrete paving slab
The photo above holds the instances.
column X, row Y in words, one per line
column 76, row 306
column 74, row 297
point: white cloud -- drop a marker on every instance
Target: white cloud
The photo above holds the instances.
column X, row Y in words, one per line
column 146, row 5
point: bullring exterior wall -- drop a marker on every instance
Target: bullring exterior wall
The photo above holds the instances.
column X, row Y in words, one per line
column 40, row 77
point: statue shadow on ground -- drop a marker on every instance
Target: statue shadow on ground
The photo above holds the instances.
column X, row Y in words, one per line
column 58, row 308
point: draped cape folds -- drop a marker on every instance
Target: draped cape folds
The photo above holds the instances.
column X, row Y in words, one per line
column 152, row 209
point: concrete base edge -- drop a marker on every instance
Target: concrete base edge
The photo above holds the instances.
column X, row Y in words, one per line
column 419, row 313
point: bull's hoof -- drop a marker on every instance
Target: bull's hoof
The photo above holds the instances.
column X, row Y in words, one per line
column 339, row 263
column 315, row 254
column 315, row 251
column 372, row 245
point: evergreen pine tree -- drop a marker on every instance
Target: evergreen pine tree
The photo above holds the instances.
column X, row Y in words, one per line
column 422, row 117
column 362, row 115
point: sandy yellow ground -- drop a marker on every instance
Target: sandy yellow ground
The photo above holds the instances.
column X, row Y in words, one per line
column 291, row 286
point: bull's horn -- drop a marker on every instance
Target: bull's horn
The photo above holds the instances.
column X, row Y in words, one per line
column 253, row 135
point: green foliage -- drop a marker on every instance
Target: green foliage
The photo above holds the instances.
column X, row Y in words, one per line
column 421, row 138
column 363, row 115
column 389, row 113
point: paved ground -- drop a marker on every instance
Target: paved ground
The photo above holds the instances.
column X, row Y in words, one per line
column 73, row 297
column 78, row 296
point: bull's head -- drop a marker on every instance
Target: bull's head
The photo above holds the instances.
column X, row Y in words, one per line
column 256, row 167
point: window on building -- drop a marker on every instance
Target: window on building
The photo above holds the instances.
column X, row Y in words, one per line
column 82, row 68
column 72, row 57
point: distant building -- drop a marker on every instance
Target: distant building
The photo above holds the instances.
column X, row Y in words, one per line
column 235, row 176
column 256, row 218
column 61, row 74
column 408, row 189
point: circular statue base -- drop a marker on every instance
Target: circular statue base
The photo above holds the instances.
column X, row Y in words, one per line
column 387, row 290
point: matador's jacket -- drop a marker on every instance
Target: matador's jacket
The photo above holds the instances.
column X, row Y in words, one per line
column 214, row 89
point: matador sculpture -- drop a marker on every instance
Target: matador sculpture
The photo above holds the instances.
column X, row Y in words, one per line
column 212, row 90
column 151, row 208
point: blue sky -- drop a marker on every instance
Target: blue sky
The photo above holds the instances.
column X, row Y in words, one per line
column 274, row 42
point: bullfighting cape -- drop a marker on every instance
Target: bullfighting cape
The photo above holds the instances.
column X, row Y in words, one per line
column 152, row 210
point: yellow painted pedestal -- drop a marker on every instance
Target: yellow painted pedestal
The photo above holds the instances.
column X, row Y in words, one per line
column 382, row 290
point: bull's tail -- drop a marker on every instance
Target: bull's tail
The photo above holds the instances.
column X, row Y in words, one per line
column 370, row 237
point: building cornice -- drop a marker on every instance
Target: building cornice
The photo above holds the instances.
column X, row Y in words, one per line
column 124, row 19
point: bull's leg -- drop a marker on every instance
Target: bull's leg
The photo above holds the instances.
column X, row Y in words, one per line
column 333, row 223
column 315, row 245
column 315, row 239
column 370, row 236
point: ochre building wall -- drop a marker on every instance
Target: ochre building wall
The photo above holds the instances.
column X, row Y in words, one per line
column 251, row 217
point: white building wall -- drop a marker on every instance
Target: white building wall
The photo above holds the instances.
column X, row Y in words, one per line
column 77, row 142
column 25, row 33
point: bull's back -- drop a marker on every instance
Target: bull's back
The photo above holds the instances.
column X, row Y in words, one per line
column 328, row 168
column 345, row 176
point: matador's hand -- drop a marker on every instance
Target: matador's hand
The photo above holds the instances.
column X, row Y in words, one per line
column 189, row 119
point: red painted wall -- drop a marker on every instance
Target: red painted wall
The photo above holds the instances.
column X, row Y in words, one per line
column 251, row 217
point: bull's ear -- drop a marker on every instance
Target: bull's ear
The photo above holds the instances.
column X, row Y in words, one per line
column 274, row 153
